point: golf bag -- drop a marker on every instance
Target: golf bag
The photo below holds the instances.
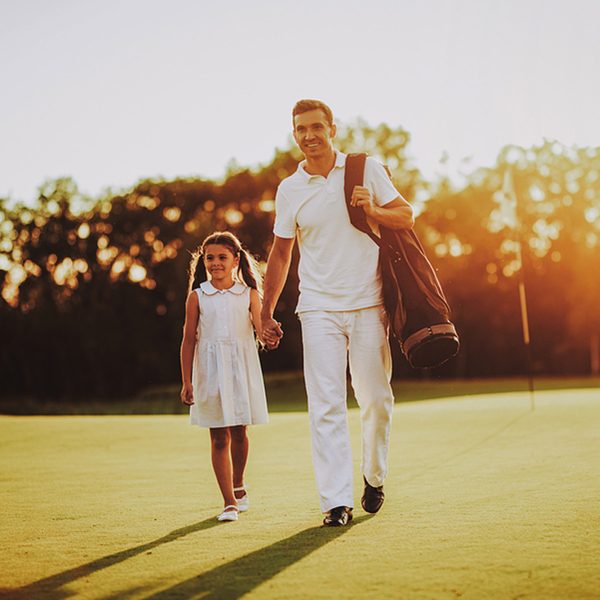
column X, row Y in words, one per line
column 418, row 312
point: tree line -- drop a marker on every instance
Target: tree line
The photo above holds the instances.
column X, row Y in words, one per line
column 93, row 289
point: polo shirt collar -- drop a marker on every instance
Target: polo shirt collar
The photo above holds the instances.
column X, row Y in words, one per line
column 209, row 289
column 340, row 163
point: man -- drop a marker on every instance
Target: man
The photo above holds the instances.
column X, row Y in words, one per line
column 340, row 306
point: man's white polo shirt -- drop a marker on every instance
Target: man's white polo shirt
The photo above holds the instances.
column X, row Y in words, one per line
column 338, row 267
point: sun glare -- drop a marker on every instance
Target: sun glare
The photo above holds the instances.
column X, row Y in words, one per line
column 233, row 216
column 106, row 255
column 137, row 272
column 83, row 231
column 267, row 206
column 172, row 213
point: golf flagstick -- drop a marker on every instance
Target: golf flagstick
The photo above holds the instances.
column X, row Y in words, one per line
column 525, row 324
column 513, row 220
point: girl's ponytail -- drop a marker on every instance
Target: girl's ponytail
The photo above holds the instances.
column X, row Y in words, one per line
column 197, row 271
column 250, row 272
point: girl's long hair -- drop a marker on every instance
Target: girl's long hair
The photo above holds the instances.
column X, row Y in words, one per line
column 248, row 271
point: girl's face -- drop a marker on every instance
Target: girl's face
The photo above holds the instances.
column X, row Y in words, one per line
column 220, row 261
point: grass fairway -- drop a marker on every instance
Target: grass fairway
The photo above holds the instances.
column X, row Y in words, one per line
column 485, row 499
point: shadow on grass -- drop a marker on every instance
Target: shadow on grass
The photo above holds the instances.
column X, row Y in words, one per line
column 231, row 580
column 50, row 587
column 240, row 576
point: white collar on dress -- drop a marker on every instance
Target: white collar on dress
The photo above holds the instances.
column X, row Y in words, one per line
column 209, row 289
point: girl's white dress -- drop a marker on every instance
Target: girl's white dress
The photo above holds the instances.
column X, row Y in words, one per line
column 226, row 374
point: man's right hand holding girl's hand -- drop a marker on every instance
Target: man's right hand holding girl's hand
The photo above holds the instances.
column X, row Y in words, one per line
column 187, row 394
column 272, row 332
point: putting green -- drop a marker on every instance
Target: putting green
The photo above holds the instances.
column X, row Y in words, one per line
column 485, row 499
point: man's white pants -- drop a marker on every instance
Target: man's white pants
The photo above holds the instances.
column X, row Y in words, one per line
column 329, row 340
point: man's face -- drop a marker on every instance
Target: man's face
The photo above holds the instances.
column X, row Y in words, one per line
column 313, row 134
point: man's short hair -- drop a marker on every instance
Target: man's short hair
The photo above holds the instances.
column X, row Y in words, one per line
column 305, row 105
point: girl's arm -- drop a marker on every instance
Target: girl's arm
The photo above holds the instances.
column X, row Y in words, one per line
column 188, row 345
column 255, row 308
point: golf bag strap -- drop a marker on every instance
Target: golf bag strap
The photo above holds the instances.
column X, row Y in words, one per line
column 355, row 175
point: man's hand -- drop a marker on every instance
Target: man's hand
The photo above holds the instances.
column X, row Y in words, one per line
column 397, row 214
column 361, row 196
column 272, row 332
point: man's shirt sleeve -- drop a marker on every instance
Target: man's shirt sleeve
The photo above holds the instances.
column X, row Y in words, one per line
column 285, row 222
column 378, row 182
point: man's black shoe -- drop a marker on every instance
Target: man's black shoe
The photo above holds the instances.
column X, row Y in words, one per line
column 373, row 497
column 338, row 516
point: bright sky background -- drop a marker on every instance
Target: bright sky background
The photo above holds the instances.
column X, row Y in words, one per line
column 110, row 91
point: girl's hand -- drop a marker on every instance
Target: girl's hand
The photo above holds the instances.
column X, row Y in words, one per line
column 187, row 394
column 272, row 333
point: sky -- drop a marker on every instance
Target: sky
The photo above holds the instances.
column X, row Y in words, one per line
column 112, row 91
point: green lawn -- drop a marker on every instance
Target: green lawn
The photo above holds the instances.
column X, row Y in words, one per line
column 485, row 499
column 285, row 393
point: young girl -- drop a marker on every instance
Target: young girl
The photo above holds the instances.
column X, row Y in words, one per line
column 222, row 379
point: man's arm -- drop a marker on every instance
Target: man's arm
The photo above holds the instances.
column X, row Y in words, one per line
column 397, row 214
column 278, row 265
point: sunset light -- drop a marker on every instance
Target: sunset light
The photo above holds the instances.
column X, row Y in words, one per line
column 300, row 300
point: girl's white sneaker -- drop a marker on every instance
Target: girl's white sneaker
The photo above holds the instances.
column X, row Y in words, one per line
column 229, row 515
column 243, row 503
